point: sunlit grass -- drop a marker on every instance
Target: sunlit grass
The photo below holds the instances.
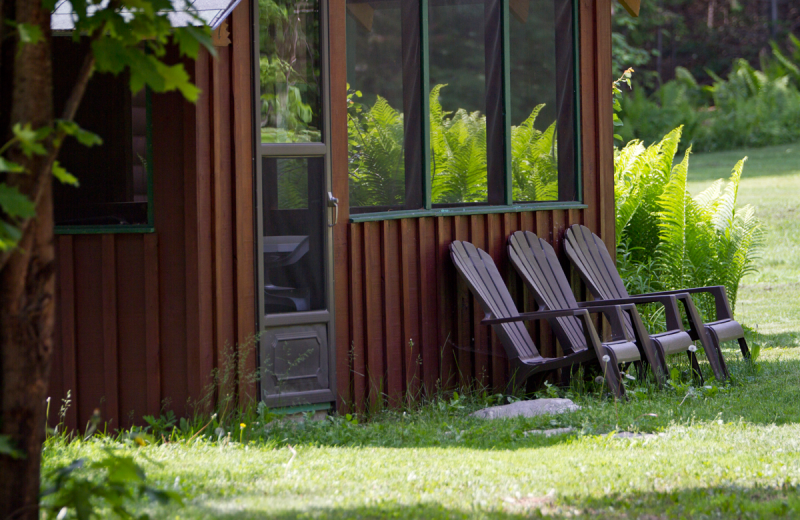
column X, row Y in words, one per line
column 769, row 299
column 719, row 451
column 723, row 451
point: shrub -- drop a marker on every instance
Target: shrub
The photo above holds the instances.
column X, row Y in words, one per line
column 669, row 239
column 749, row 108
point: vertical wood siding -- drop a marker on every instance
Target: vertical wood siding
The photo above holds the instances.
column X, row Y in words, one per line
column 404, row 321
column 143, row 319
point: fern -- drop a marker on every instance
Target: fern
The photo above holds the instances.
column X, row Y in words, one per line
column 458, row 155
column 671, row 251
column 292, row 184
column 534, row 160
column 685, row 241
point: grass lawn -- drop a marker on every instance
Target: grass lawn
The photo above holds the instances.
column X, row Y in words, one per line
column 730, row 451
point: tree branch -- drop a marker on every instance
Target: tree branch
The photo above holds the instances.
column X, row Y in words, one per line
column 79, row 88
column 70, row 109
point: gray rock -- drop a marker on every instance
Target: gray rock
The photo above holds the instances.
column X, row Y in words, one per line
column 527, row 409
column 550, row 433
column 632, row 435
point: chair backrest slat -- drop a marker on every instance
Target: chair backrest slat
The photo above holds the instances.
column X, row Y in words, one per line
column 537, row 263
column 590, row 257
column 486, row 284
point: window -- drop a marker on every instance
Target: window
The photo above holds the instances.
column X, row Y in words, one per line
column 291, row 111
column 293, row 192
column 115, row 178
column 290, row 71
column 459, row 103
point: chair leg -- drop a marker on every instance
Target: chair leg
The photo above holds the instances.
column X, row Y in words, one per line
column 713, row 352
column 650, row 350
column 715, row 344
column 518, row 379
column 695, row 366
column 745, row 348
column 662, row 370
column 613, row 376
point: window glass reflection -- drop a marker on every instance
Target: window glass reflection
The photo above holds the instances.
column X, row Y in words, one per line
column 384, row 116
column 290, row 71
column 294, row 230
column 542, row 97
column 458, row 101
column 113, row 176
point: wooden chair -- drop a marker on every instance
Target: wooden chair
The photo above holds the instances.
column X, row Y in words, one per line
column 484, row 281
column 590, row 257
column 537, row 263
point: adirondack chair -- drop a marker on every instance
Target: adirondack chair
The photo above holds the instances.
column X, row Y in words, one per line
column 484, row 281
column 590, row 257
column 537, row 263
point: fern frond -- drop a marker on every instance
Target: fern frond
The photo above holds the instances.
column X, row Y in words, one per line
column 726, row 209
column 672, row 225
column 709, row 197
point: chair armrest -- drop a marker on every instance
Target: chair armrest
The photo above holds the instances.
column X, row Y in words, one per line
column 538, row 315
column 614, row 315
column 723, row 307
column 669, row 301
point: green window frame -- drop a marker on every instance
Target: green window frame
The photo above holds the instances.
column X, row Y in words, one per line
column 499, row 197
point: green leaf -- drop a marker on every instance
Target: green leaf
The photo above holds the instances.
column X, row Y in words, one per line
column 618, row 137
column 14, row 203
column 145, row 70
column 10, row 167
column 85, row 137
column 110, row 55
column 29, row 139
column 122, row 469
column 9, row 235
column 29, row 33
column 60, row 173
column 176, row 77
column 190, row 39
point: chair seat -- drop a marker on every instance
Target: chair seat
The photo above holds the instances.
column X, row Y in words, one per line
column 626, row 351
column 673, row 341
column 725, row 330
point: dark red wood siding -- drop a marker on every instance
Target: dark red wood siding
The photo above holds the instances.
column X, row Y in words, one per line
column 143, row 319
column 404, row 322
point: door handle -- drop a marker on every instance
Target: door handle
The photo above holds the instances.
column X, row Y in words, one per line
column 333, row 202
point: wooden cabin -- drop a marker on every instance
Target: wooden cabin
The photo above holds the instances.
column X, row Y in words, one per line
column 292, row 226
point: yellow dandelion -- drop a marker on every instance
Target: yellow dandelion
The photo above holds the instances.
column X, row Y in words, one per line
column 242, row 425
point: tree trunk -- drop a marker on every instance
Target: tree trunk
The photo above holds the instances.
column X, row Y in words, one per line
column 27, row 284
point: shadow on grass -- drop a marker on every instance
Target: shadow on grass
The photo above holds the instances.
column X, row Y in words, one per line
column 764, row 394
column 699, row 502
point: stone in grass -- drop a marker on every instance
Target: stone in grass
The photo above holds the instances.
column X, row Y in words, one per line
column 551, row 432
column 527, row 409
column 633, row 435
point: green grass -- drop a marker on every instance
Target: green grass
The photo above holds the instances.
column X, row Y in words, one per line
column 727, row 454
column 769, row 299
column 730, row 451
